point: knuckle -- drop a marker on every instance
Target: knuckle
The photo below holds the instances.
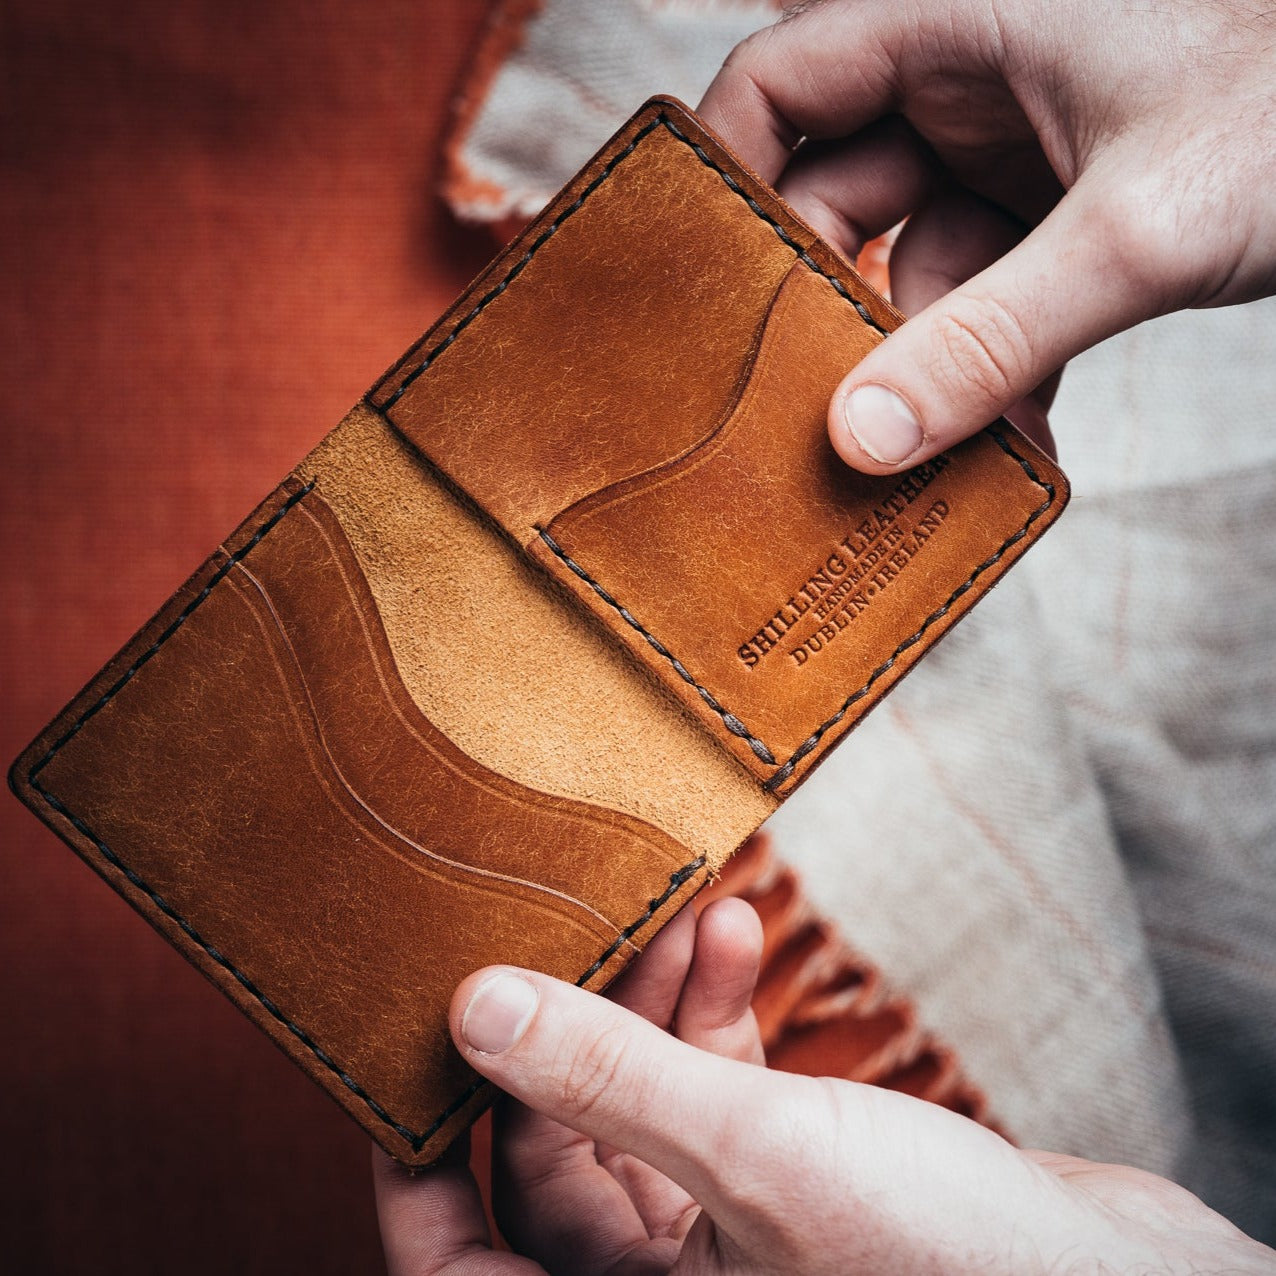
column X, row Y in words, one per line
column 727, row 1150
column 766, row 1181
column 1144, row 232
column 761, row 71
column 749, row 54
column 791, row 12
column 985, row 351
column 592, row 1069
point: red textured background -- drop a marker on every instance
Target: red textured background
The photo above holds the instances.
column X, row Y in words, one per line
column 217, row 226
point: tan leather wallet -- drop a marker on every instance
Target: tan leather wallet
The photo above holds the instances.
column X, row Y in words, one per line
column 526, row 647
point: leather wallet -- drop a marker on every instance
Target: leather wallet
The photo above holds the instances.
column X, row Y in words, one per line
column 529, row 644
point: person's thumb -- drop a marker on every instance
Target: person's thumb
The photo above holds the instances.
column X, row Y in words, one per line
column 1079, row 277
column 608, row 1073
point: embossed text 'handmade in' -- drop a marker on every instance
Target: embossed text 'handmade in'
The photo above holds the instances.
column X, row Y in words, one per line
column 531, row 642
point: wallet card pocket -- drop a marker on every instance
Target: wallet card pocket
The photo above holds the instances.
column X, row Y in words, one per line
column 260, row 784
column 777, row 591
column 691, row 499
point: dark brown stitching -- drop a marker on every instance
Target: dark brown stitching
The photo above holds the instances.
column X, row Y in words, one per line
column 677, row 880
column 417, row 1141
column 552, row 229
column 730, row 720
column 238, row 556
column 221, row 960
column 938, row 614
column 758, row 747
column 802, row 255
column 518, row 267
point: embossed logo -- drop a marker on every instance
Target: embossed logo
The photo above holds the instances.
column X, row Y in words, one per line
column 855, row 571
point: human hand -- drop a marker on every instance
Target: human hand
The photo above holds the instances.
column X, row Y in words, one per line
column 1069, row 169
column 644, row 1137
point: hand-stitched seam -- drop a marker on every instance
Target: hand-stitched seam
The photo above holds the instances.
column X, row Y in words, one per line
column 577, row 204
column 677, row 880
column 521, row 264
column 802, row 255
column 178, row 621
column 417, row 1141
column 938, row 614
column 730, row 720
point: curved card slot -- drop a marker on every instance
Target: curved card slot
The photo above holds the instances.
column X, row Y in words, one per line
column 614, row 351
column 270, row 787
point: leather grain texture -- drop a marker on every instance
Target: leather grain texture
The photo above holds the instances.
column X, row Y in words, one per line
column 252, row 775
column 322, row 770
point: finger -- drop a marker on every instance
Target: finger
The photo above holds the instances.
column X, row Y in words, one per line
column 953, row 237
column 740, row 110
column 548, row 1174
column 433, row 1219
column 572, row 1205
column 715, row 1012
column 650, row 987
column 652, row 983
column 853, row 190
column 552, row 1199
column 827, row 72
column 597, row 1068
column 967, row 358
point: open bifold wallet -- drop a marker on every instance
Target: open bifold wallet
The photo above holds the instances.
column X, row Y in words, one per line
column 529, row 644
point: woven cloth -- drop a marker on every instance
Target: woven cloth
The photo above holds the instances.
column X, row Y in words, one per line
column 566, row 73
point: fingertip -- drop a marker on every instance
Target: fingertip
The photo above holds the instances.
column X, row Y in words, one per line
column 724, row 969
column 874, row 428
column 715, row 1011
column 730, row 932
column 461, row 999
column 492, row 1009
column 739, row 110
column 651, row 984
column 671, row 947
column 384, row 1167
